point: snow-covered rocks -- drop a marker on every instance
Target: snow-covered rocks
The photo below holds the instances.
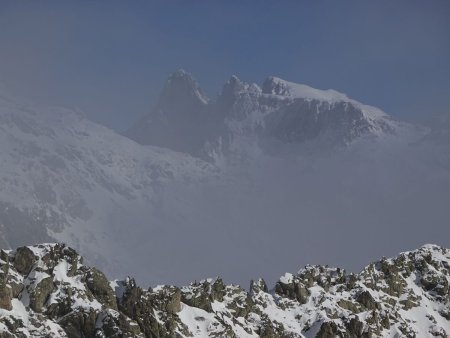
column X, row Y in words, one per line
column 51, row 293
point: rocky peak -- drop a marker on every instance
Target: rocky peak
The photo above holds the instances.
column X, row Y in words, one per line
column 234, row 87
column 245, row 118
column 181, row 89
column 230, row 89
column 276, row 86
column 258, row 285
column 182, row 120
column 45, row 290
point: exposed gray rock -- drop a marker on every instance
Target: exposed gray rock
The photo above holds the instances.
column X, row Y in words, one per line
column 24, row 260
column 40, row 294
column 5, row 297
column 59, row 296
column 99, row 286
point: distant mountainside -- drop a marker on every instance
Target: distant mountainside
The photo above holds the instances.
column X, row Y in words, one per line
column 63, row 176
column 245, row 118
column 276, row 171
column 47, row 291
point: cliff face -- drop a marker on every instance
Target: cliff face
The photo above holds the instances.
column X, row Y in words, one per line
column 46, row 291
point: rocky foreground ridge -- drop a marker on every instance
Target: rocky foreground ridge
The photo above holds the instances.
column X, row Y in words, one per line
column 46, row 291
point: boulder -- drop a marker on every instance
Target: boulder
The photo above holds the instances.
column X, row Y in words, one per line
column 24, row 260
column 98, row 284
column 40, row 294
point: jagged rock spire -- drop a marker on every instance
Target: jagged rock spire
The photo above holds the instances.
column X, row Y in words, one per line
column 181, row 89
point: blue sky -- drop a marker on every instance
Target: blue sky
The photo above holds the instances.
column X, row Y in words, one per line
column 111, row 58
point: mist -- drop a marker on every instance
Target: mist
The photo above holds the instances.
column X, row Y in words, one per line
column 345, row 209
column 173, row 186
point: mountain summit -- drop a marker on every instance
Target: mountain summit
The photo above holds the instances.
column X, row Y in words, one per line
column 181, row 87
column 276, row 86
column 281, row 111
column 181, row 120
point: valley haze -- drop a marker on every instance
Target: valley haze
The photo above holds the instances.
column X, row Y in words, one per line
column 260, row 181
column 225, row 141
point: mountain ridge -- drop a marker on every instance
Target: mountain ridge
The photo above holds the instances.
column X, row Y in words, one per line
column 278, row 111
column 65, row 178
column 47, row 290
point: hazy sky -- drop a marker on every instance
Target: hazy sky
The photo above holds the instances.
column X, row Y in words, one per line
column 111, row 58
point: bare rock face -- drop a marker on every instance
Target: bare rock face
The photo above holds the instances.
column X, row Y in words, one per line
column 5, row 297
column 57, row 296
column 80, row 324
column 181, row 119
column 98, row 284
column 40, row 293
column 6, row 293
column 24, row 260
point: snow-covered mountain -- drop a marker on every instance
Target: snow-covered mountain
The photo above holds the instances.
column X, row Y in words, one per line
column 64, row 177
column 246, row 118
column 47, row 291
column 181, row 120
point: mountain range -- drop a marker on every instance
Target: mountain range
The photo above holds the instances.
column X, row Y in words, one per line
column 245, row 115
column 47, row 291
column 259, row 176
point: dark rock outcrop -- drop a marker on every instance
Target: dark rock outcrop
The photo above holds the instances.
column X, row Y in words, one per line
column 46, row 291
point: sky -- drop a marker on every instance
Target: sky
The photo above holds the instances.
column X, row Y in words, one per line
column 110, row 58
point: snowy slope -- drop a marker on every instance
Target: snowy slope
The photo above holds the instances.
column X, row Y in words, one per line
column 68, row 179
column 46, row 290
column 64, row 177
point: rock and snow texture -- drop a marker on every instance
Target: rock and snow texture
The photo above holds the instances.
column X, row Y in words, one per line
column 181, row 120
column 185, row 120
column 47, row 291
